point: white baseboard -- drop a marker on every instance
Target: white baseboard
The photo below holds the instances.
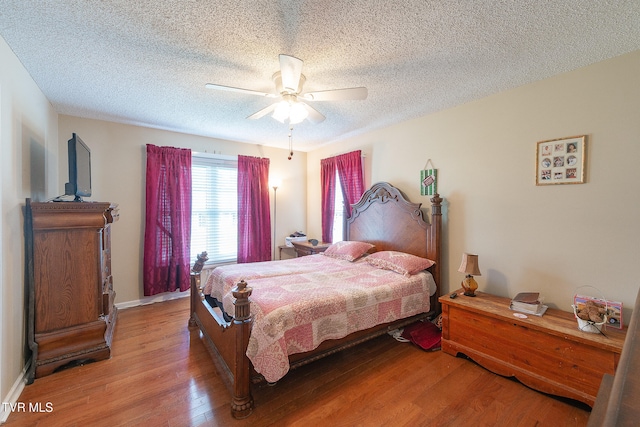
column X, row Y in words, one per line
column 167, row 296
column 14, row 394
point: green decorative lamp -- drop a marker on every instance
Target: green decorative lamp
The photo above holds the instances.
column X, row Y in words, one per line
column 470, row 267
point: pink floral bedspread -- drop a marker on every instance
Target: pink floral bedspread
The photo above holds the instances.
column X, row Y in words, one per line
column 299, row 303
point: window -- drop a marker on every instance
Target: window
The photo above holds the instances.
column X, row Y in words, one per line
column 214, row 206
column 349, row 169
column 338, row 214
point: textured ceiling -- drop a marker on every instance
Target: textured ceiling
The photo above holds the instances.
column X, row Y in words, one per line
column 146, row 62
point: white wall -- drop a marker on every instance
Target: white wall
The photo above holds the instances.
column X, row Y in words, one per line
column 551, row 239
column 118, row 174
column 28, row 158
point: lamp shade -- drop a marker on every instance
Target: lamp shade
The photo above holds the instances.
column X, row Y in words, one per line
column 298, row 113
column 469, row 265
column 290, row 108
column 275, row 182
column 282, row 111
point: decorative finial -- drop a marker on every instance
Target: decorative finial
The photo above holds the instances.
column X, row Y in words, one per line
column 202, row 259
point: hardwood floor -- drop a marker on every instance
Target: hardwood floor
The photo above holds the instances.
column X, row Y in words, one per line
column 160, row 374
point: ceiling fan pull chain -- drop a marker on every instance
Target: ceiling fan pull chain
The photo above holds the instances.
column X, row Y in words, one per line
column 290, row 143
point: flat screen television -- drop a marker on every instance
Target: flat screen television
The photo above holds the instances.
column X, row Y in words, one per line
column 79, row 184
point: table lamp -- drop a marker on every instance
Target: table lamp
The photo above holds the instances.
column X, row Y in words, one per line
column 470, row 267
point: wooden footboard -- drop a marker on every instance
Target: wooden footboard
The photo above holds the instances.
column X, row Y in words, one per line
column 227, row 342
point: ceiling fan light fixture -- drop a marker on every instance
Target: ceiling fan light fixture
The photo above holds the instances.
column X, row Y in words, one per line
column 298, row 113
column 282, row 111
column 289, row 82
column 290, row 109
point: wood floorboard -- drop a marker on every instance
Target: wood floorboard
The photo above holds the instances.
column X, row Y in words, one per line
column 160, row 374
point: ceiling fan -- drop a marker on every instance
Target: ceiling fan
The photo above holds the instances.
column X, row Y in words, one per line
column 293, row 104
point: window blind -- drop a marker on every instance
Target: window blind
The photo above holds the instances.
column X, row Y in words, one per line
column 214, row 199
column 338, row 213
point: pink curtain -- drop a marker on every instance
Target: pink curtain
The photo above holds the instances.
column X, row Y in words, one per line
column 254, row 217
column 328, row 183
column 167, row 234
column 349, row 167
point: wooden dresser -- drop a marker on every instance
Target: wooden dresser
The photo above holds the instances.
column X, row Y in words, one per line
column 71, row 315
column 547, row 353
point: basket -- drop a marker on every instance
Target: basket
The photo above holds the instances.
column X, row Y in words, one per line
column 589, row 325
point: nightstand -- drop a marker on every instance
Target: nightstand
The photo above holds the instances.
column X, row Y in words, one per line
column 547, row 353
column 306, row 248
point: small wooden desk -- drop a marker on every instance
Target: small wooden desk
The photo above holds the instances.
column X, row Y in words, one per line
column 547, row 353
column 284, row 248
column 306, row 248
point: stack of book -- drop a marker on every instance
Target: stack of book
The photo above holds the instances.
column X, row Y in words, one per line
column 529, row 303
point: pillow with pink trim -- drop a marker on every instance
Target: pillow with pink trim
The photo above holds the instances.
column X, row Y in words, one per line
column 348, row 250
column 400, row 262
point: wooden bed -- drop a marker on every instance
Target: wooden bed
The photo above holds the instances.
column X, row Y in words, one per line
column 383, row 217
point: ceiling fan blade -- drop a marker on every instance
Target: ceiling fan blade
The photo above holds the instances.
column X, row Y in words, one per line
column 353, row 93
column 239, row 90
column 260, row 114
column 290, row 70
column 314, row 115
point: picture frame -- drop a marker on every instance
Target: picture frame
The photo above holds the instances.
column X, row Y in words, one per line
column 561, row 161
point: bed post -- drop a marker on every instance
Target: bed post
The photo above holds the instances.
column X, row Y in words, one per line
column 242, row 403
column 435, row 242
column 195, row 296
column 195, row 286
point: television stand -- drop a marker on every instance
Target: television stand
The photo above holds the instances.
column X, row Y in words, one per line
column 71, row 313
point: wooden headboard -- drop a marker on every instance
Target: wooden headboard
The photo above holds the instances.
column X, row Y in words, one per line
column 385, row 217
